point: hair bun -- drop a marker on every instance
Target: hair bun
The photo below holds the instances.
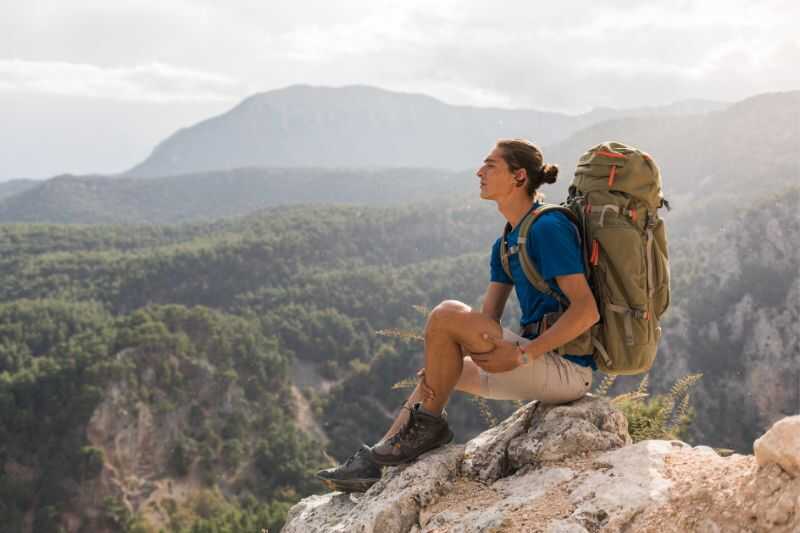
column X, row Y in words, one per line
column 549, row 173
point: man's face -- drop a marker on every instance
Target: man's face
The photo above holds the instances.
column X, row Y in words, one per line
column 497, row 180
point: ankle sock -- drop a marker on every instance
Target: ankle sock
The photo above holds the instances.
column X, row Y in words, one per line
column 429, row 413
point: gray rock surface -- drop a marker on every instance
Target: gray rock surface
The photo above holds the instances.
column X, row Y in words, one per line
column 557, row 432
column 392, row 504
column 565, row 469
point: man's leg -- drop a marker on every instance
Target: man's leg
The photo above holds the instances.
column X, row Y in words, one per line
column 452, row 329
column 467, row 326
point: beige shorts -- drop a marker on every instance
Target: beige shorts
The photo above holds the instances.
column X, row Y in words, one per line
column 549, row 378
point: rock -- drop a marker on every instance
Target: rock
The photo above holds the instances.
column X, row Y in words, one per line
column 391, row 505
column 632, row 483
column 565, row 526
column 590, row 424
column 781, row 445
column 485, row 456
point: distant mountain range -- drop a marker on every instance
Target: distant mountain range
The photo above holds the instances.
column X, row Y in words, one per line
column 360, row 126
column 711, row 162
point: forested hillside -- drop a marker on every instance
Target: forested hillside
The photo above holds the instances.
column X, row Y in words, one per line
column 94, row 347
column 736, row 318
column 152, row 332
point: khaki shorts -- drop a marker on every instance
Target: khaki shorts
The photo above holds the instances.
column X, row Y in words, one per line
column 549, row 378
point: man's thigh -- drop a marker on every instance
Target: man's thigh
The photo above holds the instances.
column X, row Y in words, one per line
column 466, row 326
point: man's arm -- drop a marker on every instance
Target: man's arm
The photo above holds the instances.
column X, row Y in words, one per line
column 495, row 300
column 580, row 315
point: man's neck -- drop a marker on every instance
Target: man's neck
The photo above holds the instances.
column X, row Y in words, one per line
column 514, row 208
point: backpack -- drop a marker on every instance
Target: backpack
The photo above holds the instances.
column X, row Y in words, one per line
column 613, row 202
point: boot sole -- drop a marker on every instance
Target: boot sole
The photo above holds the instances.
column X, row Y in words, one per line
column 350, row 485
column 394, row 461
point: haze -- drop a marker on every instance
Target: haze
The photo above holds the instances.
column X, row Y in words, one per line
column 91, row 87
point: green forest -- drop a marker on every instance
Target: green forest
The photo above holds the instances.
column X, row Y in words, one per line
column 188, row 354
column 177, row 317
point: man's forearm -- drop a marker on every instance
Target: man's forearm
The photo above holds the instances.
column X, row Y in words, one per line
column 575, row 320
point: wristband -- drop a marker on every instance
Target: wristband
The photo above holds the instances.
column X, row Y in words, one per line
column 523, row 354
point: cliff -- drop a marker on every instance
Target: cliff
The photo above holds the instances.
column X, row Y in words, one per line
column 573, row 469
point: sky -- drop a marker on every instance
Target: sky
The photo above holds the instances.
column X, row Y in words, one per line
column 91, row 86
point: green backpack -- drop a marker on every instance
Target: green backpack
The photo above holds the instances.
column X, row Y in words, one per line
column 613, row 202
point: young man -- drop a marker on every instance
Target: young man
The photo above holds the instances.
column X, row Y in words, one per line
column 468, row 350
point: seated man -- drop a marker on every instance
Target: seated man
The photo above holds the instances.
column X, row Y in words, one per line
column 468, row 350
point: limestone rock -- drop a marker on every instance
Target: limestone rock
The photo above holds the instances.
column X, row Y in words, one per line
column 629, row 481
column 572, row 469
column 556, row 432
column 485, row 456
column 781, row 445
column 391, row 505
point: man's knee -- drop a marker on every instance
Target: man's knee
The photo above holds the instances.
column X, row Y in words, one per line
column 446, row 313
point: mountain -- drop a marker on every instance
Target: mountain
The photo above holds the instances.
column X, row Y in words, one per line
column 358, row 126
column 212, row 195
column 12, row 187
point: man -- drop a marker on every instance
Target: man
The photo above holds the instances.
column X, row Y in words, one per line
column 469, row 351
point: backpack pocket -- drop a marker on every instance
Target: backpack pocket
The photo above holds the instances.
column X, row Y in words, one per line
column 661, row 293
column 621, row 277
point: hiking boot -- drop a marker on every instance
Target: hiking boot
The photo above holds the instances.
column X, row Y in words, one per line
column 357, row 474
column 421, row 433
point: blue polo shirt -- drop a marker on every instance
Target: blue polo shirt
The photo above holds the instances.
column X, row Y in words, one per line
column 554, row 248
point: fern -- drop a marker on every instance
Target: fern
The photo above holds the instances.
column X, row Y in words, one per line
column 656, row 417
column 408, row 383
column 401, row 334
column 642, row 389
column 605, row 385
column 422, row 310
column 486, row 411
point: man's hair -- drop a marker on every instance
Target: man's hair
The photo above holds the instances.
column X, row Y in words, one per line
column 521, row 153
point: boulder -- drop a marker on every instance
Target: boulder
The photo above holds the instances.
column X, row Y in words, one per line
column 781, row 445
column 554, row 433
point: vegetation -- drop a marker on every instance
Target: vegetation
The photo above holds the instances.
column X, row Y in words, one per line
column 662, row 416
column 201, row 326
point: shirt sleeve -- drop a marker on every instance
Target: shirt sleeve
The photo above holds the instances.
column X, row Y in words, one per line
column 496, row 272
column 555, row 249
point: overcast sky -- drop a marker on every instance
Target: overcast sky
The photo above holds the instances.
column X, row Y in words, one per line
column 92, row 85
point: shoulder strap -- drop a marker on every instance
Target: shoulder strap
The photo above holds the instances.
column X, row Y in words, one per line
column 528, row 267
column 504, row 253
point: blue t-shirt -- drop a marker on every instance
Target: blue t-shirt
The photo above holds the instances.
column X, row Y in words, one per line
column 554, row 248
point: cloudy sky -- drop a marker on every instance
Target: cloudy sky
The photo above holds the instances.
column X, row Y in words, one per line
column 91, row 86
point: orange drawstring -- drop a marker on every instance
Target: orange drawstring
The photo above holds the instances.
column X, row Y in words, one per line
column 612, row 175
column 595, row 253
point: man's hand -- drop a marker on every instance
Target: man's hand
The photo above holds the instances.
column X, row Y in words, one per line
column 505, row 356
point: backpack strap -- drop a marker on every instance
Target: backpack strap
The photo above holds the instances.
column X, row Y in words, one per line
column 505, row 252
column 528, row 267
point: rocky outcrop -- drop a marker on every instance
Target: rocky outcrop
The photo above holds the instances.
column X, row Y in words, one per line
column 570, row 469
column 781, row 445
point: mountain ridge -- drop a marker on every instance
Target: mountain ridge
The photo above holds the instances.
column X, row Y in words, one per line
column 382, row 128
